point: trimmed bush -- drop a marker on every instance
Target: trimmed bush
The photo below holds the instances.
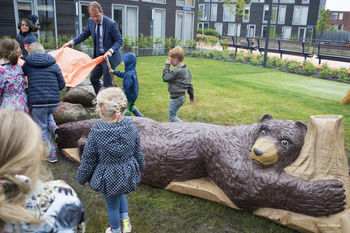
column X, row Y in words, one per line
column 293, row 66
column 325, row 71
column 250, row 57
column 208, row 32
column 308, row 68
column 225, row 54
column 240, row 57
column 196, row 53
column 341, row 74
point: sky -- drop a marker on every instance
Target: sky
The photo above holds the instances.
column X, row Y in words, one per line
column 338, row 5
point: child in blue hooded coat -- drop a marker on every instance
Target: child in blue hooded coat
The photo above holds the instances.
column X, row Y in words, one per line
column 130, row 83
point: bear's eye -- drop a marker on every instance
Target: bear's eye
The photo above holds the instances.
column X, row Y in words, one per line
column 263, row 132
column 284, row 143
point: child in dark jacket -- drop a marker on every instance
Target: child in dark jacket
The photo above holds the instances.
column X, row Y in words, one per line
column 45, row 80
column 130, row 83
column 112, row 159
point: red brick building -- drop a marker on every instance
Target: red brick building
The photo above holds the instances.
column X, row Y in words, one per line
column 340, row 20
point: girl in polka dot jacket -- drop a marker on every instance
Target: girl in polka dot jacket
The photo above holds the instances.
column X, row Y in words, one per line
column 112, row 159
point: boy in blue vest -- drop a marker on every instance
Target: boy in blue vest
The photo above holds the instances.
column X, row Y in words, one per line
column 45, row 80
column 130, row 83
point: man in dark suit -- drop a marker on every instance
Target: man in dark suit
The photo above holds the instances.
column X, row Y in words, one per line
column 107, row 41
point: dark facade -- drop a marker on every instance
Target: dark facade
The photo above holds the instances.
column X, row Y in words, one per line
column 340, row 20
column 291, row 19
column 159, row 18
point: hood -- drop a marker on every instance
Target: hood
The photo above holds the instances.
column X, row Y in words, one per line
column 129, row 60
column 33, row 19
column 40, row 59
column 28, row 39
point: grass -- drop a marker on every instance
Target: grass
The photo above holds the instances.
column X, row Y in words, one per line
column 226, row 94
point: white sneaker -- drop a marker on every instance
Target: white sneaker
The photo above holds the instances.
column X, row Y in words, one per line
column 108, row 230
column 126, row 226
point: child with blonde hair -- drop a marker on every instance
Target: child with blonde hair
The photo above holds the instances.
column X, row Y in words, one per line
column 12, row 80
column 179, row 81
column 27, row 204
column 112, row 159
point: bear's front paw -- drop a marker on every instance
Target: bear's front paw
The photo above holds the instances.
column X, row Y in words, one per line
column 324, row 197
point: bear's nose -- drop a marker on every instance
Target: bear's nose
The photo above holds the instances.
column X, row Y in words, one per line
column 258, row 152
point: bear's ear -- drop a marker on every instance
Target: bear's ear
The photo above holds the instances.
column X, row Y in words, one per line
column 265, row 117
column 301, row 125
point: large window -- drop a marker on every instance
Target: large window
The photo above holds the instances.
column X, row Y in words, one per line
column 286, row 32
column 218, row 28
column 300, row 14
column 214, row 12
column 232, row 28
column 257, row 1
column 187, row 3
column 305, row 1
column 156, row 1
column 25, row 9
column 205, row 9
column 246, row 13
column 264, row 31
column 287, row 1
column 273, row 15
column 340, row 16
column 229, row 13
column 158, row 18
column 184, row 25
column 251, row 30
column 127, row 18
column 83, row 15
column 282, row 14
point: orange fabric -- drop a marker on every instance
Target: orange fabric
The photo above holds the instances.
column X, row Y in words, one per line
column 346, row 99
column 75, row 65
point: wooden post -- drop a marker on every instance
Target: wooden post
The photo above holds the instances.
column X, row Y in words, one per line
column 111, row 73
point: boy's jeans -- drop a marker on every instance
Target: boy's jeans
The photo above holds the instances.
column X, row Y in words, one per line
column 117, row 209
column 174, row 106
column 43, row 117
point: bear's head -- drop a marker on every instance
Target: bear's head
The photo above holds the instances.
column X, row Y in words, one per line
column 278, row 142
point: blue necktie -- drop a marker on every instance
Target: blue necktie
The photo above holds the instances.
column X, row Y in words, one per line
column 98, row 39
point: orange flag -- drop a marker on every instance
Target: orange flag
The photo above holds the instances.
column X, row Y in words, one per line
column 75, row 65
column 346, row 99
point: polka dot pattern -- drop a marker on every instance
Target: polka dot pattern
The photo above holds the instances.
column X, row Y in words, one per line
column 112, row 159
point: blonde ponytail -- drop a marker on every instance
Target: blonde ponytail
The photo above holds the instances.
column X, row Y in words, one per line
column 111, row 103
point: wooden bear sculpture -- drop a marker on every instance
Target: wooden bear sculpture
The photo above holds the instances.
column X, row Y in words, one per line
column 247, row 162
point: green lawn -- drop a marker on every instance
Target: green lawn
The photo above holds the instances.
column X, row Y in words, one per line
column 226, row 94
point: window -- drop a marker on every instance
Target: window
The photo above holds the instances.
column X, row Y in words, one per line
column 286, row 32
column 287, row 1
column 340, row 16
column 214, row 11
column 203, row 25
column 275, row 1
column 246, row 13
column 83, row 15
column 127, row 19
column 158, row 19
column 155, row 1
column 218, row 28
column 205, row 8
column 257, row 1
column 264, row 31
column 47, row 17
column 335, row 16
column 229, row 13
column 282, row 14
column 251, row 30
column 273, row 15
column 184, row 25
column 300, row 15
column 305, row 1
column 188, row 3
column 231, row 29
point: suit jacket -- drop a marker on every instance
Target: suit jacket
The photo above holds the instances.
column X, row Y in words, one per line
column 112, row 38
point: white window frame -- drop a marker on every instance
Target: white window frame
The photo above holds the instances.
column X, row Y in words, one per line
column 81, row 3
column 184, row 22
column 289, row 27
column 234, row 29
column 155, row 1
column 264, row 11
column 334, row 16
column 248, row 30
column 279, row 21
column 305, row 2
column 231, row 16
column 246, row 7
column 184, row 3
column 214, row 13
column 340, row 17
column 287, row 1
column 262, row 30
column 204, row 5
column 164, row 19
column 297, row 20
column 124, row 16
column 220, row 25
column 304, row 36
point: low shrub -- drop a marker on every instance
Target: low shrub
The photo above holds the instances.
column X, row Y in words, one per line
column 281, row 64
column 341, row 74
column 207, row 54
column 213, row 53
column 225, row 54
column 196, row 53
column 240, row 57
column 325, row 71
column 250, row 57
column 224, row 43
column 293, row 66
column 255, row 61
column 308, row 68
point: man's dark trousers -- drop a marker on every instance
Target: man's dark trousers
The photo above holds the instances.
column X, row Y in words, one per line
column 96, row 74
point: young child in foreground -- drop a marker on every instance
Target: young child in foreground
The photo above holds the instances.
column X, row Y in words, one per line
column 179, row 81
column 130, row 83
column 45, row 80
column 112, row 159
column 28, row 202
column 12, row 81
